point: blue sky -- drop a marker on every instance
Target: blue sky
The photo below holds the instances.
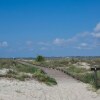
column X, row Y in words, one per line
column 49, row 27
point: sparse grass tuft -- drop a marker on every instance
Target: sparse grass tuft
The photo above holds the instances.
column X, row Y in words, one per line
column 44, row 78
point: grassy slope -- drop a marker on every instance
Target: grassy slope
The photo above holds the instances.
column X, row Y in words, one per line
column 66, row 65
column 22, row 72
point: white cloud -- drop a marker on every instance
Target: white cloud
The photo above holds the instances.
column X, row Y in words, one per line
column 3, row 44
column 89, row 39
column 97, row 28
column 83, row 44
column 86, row 46
column 44, row 43
column 59, row 41
column 29, row 43
column 96, row 35
column 79, row 47
column 84, row 40
column 96, row 32
column 62, row 42
column 43, row 48
column 98, row 44
column 72, row 41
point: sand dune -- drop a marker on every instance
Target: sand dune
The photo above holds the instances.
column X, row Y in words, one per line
column 67, row 89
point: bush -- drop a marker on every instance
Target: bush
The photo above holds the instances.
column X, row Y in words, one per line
column 40, row 58
column 42, row 77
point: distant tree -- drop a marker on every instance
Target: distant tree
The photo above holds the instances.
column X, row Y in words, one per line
column 40, row 58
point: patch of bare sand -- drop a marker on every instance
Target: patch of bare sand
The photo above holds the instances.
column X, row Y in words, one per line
column 82, row 65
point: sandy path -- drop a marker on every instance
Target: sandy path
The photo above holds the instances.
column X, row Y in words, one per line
column 67, row 89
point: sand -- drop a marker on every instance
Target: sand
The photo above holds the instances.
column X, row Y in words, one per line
column 82, row 65
column 67, row 89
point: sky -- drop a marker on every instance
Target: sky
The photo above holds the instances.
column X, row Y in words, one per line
column 49, row 27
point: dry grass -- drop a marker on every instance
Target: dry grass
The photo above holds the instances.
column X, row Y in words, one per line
column 22, row 72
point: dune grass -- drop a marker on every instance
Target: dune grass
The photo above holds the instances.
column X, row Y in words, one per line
column 22, row 72
column 67, row 65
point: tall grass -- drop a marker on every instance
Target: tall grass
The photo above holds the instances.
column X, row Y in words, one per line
column 22, row 72
column 67, row 65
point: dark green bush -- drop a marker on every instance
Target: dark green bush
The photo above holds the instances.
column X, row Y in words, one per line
column 40, row 58
column 44, row 78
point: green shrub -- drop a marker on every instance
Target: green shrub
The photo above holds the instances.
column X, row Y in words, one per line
column 74, row 69
column 22, row 71
column 44, row 78
column 40, row 58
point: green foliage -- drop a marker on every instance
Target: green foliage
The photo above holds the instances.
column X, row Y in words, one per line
column 24, row 68
column 86, row 77
column 40, row 58
column 74, row 60
column 68, row 66
column 7, row 63
column 76, row 70
column 22, row 72
column 44, row 78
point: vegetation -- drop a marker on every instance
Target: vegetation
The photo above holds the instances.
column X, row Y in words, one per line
column 43, row 77
column 72, row 67
column 23, row 72
column 40, row 58
column 81, row 74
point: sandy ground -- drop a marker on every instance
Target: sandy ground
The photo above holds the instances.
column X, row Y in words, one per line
column 67, row 89
column 82, row 65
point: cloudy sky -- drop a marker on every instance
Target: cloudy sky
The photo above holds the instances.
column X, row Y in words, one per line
column 49, row 27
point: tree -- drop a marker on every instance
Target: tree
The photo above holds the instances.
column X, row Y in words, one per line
column 40, row 58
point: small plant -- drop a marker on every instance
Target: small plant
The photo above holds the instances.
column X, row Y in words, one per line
column 40, row 58
column 43, row 77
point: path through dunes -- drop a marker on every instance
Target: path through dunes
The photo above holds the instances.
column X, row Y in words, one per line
column 67, row 89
